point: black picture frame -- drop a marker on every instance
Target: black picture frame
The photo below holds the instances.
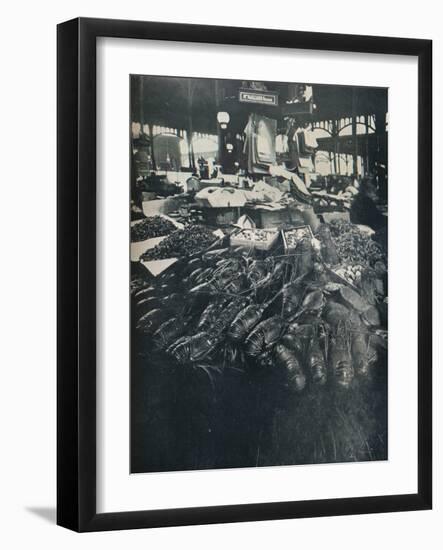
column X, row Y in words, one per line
column 76, row 294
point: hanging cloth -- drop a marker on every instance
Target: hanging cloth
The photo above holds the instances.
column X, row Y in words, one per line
column 310, row 139
column 307, row 142
column 259, row 146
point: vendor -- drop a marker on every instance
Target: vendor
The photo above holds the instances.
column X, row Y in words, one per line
column 364, row 210
column 137, row 191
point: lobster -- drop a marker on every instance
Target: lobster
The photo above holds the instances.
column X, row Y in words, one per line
column 203, row 275
column 214, row 320
column 192, row 278
column 264, row 273
column 210, row 312
column 145, row 305
column 304, row 257
column 143, row 293
column 371, row 317
column 194, row 348
column 264, row 335
column 169, row 331
column 306, row 341
column 246, row 320
column 369, row 285
column 204, row 288
column 216, row 254
column 235, row 285
column 193, row 265
column 294, row 342
column 353, row 300
column 170, row 277
column 316, row 362
column 339, row 357
column 335, row 313
column 312, row 304
column 284, row 357
column 359, row 352
column 150, row 321
column 227, row 315
column 258, row 272
column 230, row 278
column 291, row 294
column 171, row 302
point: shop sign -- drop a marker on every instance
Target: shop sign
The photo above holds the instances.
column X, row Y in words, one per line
column 257, row 96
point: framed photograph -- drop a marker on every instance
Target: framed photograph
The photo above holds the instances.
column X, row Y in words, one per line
column 240, row 337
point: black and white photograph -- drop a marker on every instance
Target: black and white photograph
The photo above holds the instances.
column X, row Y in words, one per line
column 259, row 273
column 231, row 272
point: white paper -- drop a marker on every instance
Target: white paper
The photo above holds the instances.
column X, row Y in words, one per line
column 117, row 490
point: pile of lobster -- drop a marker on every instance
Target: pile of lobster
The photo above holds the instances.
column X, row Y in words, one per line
column 228, row 308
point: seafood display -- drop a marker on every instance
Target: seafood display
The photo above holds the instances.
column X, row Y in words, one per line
column 154, row 226
column 283, row 313
column 354, row 246
column 182, row 242
column 291, row 339
column 255, row 238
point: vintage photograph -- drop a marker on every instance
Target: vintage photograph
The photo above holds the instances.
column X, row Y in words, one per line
column 258, row 273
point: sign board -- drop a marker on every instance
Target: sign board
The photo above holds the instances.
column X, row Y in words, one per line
column 258, row 96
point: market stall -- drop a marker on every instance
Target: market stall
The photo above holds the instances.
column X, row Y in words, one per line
column 254, row 299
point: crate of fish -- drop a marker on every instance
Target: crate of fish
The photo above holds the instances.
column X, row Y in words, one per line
column 259, row 239
column 293, row 235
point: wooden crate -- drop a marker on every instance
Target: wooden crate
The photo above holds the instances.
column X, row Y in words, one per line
column 302, row 229
column 239, row 239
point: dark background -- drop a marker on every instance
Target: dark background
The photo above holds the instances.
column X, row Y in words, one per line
column 181, row 420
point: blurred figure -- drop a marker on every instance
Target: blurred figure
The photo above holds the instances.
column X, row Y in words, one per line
column 364, row 209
